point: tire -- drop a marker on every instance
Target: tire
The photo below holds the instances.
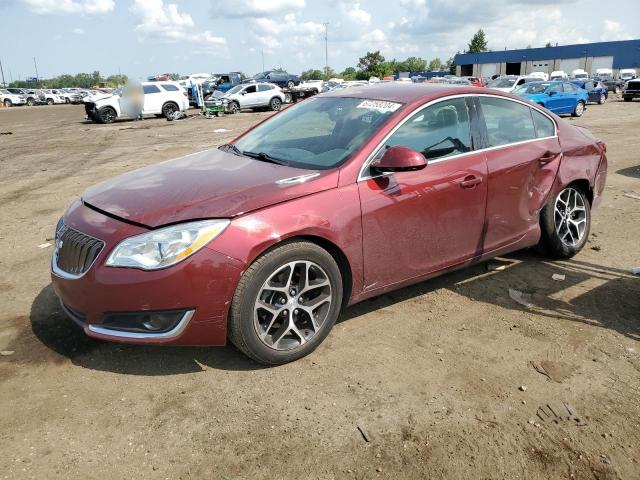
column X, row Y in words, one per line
column 31, row 101
column 579, row 110
column 8, row 103
column 603, row 98
column 107, row 115
column 290, row 84
column 288, row 98
column 219, row 114
column 258, row 314
column 617, row 90
column 169, row 109
column 275, row 104
column 67, row 101
column 49, row 101
column 234, row 107
column 562, row 236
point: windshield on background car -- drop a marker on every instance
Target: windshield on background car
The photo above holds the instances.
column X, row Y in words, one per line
column 235, row 89
column 532, row 88
column 259, row 76
column 319, row 133
column 502, row 83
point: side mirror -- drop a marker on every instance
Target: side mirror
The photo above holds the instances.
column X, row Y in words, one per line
column 552, row 93
column 243, row 92
column 400, row 159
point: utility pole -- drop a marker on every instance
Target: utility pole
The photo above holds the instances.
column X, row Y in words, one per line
column 36, row 65
column 262, row 53
column 1, row 70
column 326, row 50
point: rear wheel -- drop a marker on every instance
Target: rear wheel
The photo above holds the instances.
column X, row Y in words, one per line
column 603, row 98
column 565, row 223
column 169, row 108
column 49, row 101
column 579, row 110
column 286, row 303
column 290, row 84
column 8, row 103
column 66, row 100
column 107, row 115
column 31, row 101
column 275, row 104
column 234, row 107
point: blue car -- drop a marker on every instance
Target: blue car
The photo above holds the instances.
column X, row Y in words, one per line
column 560, row 97
column 598, row 92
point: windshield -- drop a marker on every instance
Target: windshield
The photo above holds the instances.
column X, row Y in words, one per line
column 235, row 89
column 319, row 133
column 259, row 76
column 502, row 83
column 532, row 88
column 2, row 90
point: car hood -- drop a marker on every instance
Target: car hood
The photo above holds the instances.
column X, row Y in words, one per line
column 209, row 184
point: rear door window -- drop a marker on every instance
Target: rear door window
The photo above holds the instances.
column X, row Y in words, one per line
column 147, row 89
column 169, row 88
column 264, row 88
column 544, row 125
column 507, row 121
column 250, row 89
column 438, row 131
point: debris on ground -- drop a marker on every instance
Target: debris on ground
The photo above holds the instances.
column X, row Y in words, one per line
column 558, row 277
column 635, row 270
column 221, row 130
column 596, row 248
column 364, row 433
column 632, row 195
column 555, row 371
column 6, row 133
column 44, row 245
column 523, row 388
column 557, row 412
column 6, row 353
column 521, row 297
column 175, row 116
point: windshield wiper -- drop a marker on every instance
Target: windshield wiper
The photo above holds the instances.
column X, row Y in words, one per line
column 264, row 157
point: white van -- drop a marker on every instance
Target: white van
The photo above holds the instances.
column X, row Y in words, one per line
column 541, row 75
column 509, row 83
column 160, row 99
column 627, row 74
column 559, row 75
column 578, row 74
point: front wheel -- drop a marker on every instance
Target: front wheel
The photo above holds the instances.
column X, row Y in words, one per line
column 31, row 102
column 234, row 107
column 579, row 110
column 107, row 115
column 290, row 84
column 7, row 103
column 275, row 104
column 565, row 223
column 49, row 101
column 286, row 303
column 603, row 98
column 67, row 101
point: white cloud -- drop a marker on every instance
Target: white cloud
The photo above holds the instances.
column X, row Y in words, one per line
column 612, row 30
column 255, row 8
column 78, row 31
column 165, row 22
column 272, row 34
column 87, row 7
column 354, row 12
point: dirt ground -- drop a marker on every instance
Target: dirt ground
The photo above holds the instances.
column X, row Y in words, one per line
column 450, row 378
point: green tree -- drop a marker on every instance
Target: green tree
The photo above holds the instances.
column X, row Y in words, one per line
column 435, row 65
column 328, row 73
column 478, row 42
column 450, row 66
column 115, row 80
column 415, row 64
column 349, row 73
column 373, row 64
column 548, row 45
column 312, row 74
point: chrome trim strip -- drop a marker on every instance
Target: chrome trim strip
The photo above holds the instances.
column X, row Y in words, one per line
column 367, row 162
column 173, row 333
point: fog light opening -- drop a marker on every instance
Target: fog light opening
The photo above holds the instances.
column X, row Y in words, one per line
column 144, row 322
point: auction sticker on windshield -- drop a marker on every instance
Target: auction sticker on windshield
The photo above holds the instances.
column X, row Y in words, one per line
column 380, row 105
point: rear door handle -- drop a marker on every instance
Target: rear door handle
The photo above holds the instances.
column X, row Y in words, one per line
column 547, row 157
column 470, row 181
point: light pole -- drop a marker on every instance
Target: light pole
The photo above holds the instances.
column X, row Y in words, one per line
column 326, row 50
column 36, row 65
column 1, row 70
column 262, row 52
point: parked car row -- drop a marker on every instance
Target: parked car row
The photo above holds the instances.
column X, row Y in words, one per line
column 12, row 97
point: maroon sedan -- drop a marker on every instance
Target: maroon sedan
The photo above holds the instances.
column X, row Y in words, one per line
column 342, row 197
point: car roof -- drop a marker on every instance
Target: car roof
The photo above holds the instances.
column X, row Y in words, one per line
column 403, row 92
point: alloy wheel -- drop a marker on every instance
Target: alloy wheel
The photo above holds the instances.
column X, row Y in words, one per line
column 570, row 217
column 602, row 98
column 579, row 109
column 292, row 305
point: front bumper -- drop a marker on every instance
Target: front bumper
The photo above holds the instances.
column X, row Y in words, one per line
column 202, row 286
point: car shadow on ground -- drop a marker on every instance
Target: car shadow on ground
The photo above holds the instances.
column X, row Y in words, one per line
column 599, row 296
column 633, row 172
column 591, row 294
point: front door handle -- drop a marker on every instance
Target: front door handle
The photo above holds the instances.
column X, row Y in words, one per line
column 547, row 157
column 470, row 181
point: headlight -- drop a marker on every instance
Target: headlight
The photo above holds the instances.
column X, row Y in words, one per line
column 166, row 246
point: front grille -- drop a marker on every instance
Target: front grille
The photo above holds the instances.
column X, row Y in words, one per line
column 633, row 86
column 75, row 251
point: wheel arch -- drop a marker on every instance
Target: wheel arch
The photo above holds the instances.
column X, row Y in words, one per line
column 334, row 250
column 585, row 186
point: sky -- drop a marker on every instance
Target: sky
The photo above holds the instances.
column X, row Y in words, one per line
column 145, row 37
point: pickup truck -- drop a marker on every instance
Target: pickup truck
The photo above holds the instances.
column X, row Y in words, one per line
column 222, row 82
column 631, row 90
